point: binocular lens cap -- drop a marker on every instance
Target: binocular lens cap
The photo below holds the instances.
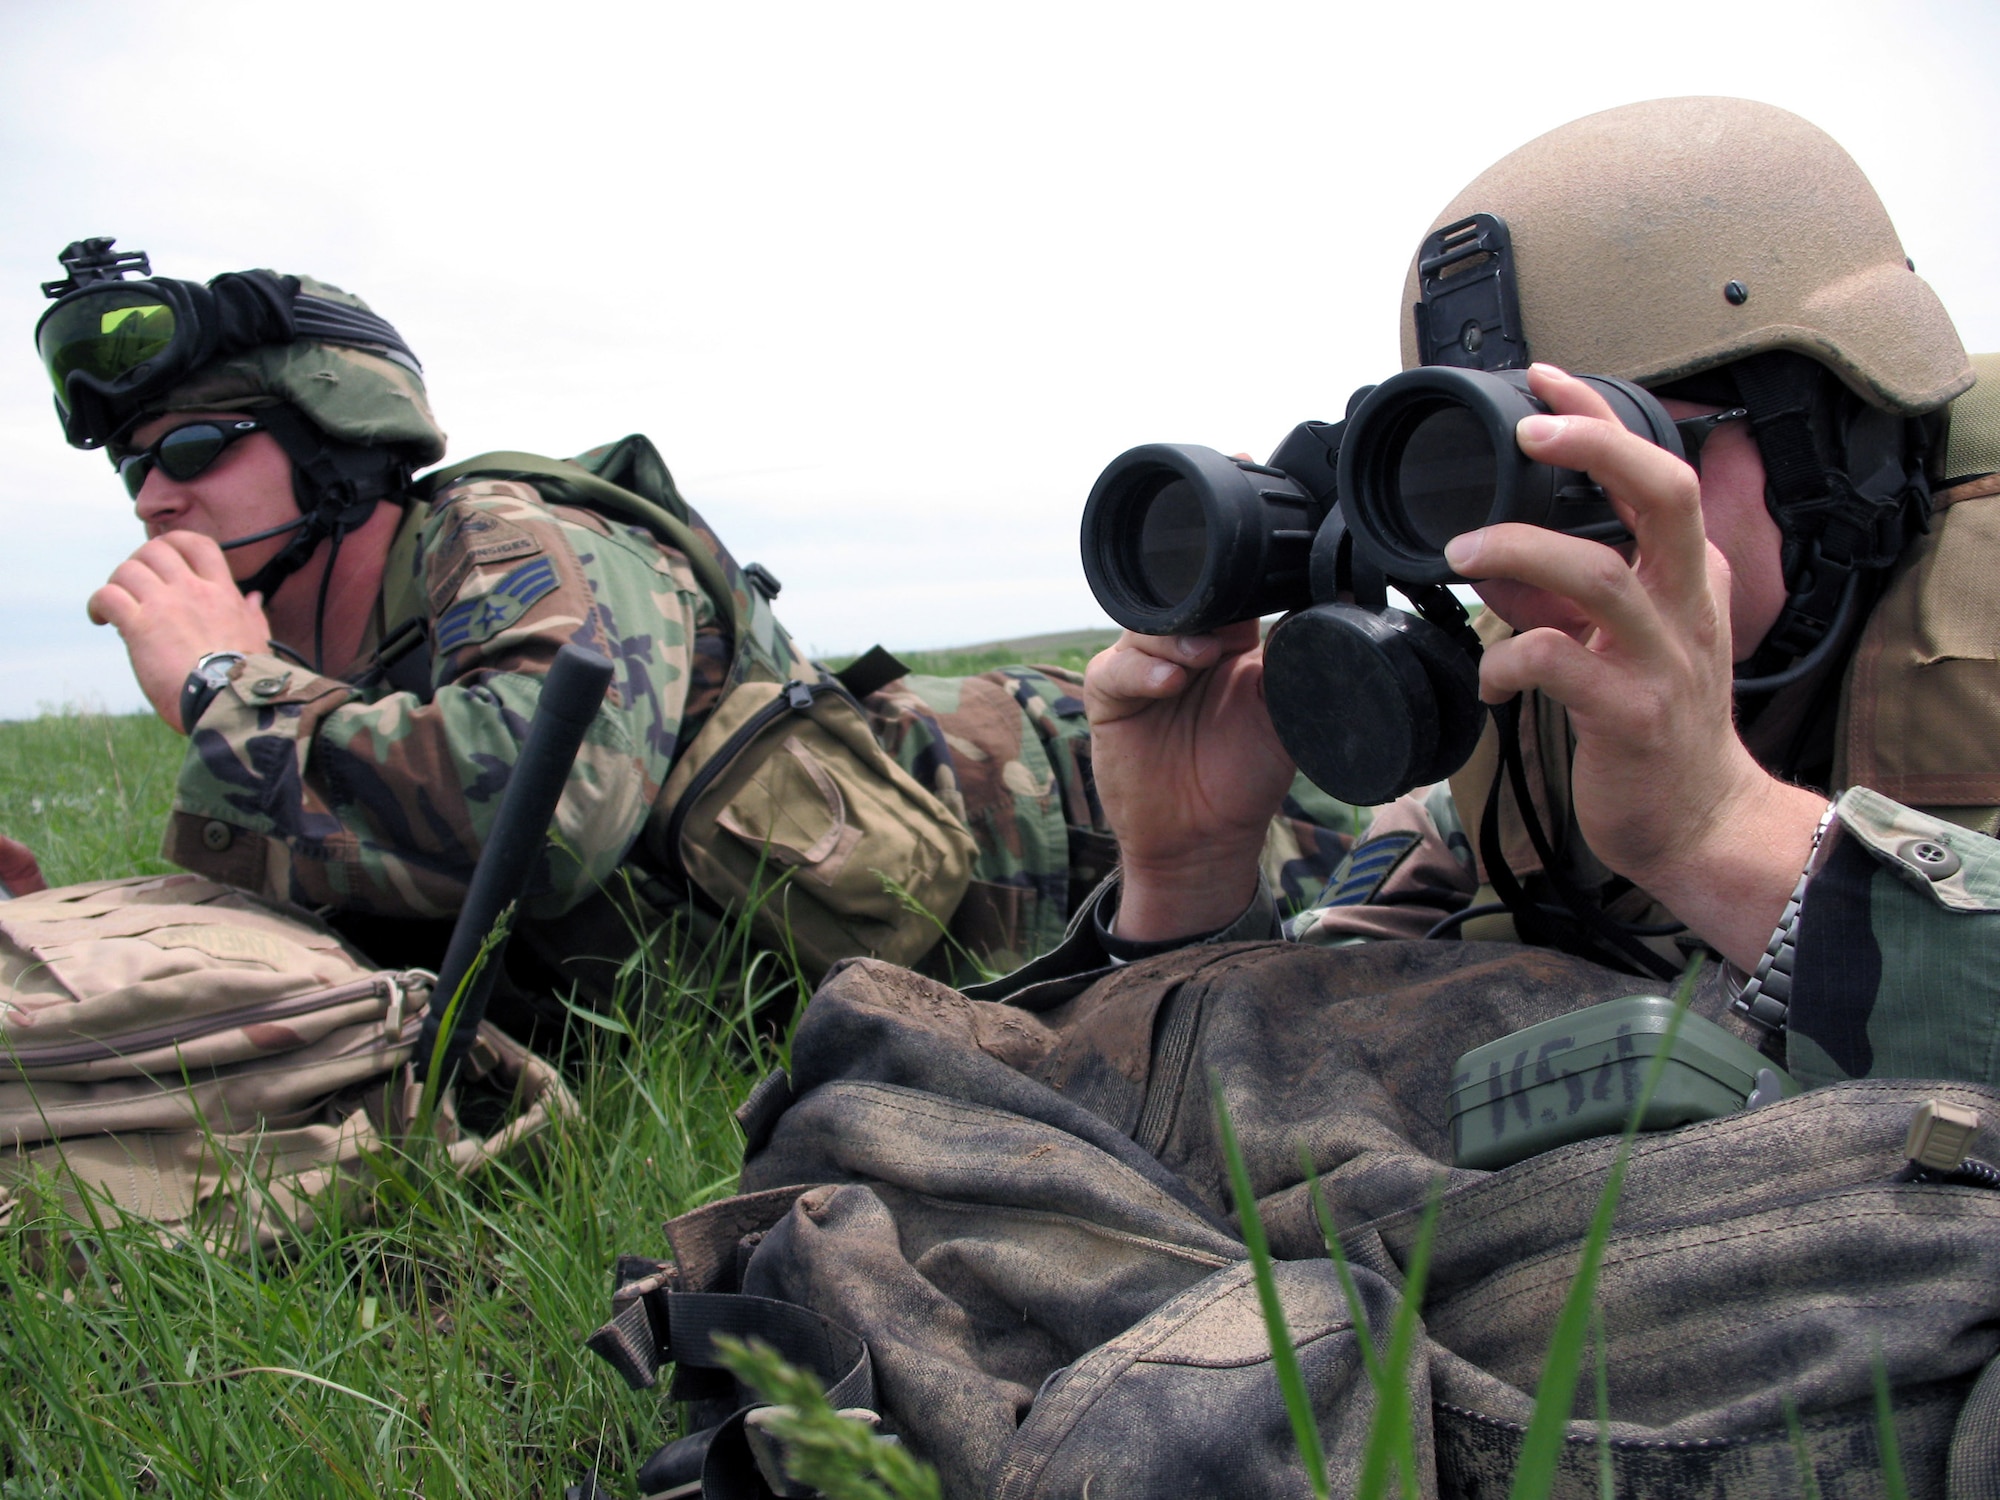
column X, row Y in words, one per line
column 1370, row 703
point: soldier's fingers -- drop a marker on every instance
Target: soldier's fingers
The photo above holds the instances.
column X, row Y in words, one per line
column 172, row 555
column 154, row 573
column 1130, row 673
column 111, row 605
column 1565, row 395
column 1550, row 662
column 201, row 555
column 1655, row 494
column 1589, row 574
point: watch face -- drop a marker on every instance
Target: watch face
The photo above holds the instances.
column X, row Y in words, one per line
column 213, row 670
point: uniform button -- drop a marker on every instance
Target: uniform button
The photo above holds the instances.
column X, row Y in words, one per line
column 263, row 687
column 1928, row 858
column 217, row 834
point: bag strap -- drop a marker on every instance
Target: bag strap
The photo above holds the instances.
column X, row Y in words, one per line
column 653, row 1325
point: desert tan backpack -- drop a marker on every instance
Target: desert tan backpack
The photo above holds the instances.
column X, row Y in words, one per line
column 177, row 1050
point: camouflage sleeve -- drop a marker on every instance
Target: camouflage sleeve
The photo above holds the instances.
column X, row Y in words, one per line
column 1412, row 869
column 377, row 801
column 1897, row 968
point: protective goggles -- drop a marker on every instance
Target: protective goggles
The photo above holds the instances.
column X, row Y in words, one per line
column 186, row 452
column 111, row 345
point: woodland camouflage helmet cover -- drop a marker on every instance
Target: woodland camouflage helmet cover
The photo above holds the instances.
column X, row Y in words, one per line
column 1629, row 225
column 348, row 393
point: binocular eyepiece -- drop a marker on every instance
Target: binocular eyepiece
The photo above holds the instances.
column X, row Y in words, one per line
column 1370, row 701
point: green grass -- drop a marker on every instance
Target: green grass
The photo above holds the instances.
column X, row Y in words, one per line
column 434, row 1349
column 89, row 792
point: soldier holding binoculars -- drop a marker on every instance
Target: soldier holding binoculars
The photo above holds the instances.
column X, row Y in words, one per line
column 1729, row 651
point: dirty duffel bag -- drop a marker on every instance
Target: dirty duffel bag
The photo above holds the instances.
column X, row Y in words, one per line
column 186, row 1053
column 1007, row 1228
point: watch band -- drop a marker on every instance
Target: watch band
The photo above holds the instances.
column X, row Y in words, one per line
column 1765, row 999
column 208, row 678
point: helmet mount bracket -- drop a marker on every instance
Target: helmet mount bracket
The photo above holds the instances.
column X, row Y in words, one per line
column 1468, row 309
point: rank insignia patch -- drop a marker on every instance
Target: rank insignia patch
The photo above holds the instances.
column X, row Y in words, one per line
column 1367, row 867
column 482, row 618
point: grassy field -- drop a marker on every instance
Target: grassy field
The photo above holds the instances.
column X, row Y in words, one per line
column 433, row 1349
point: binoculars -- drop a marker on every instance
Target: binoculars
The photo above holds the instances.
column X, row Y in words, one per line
column 1370, row 701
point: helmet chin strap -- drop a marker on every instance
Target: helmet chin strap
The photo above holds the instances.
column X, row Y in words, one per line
column 337, row 486
column 1845, row 483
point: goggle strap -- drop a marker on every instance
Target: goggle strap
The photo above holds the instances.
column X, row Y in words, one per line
column 337, row 323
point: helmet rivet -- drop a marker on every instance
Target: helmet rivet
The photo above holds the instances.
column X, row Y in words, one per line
column 1471, row 336
column 1736, row 293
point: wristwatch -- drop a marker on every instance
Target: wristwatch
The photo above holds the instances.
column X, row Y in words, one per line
column 209, row 677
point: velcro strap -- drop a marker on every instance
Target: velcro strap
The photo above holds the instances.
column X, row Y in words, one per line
column 805, row 1338
column 871, row 671
column 1779, row 391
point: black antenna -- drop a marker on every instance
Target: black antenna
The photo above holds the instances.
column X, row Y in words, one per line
column 91, row 261
column 572, row 692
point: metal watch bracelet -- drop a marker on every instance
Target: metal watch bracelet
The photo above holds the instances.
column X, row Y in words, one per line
column 1765, row 998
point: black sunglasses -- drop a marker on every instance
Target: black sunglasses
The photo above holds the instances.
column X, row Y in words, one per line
column 184, row 452
column 1696, row 431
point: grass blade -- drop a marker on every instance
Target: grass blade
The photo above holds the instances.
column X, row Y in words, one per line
column 1391, row 1437
column 1607, row 1478
column 1284, row 1358
column 1893, row 1483
column 1808, row 1479
column 835, row 1455
column 1344, row 1273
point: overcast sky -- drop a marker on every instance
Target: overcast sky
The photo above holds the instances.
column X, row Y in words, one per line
column 888, row 284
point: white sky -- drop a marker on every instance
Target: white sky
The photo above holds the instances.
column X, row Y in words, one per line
column 888, row 284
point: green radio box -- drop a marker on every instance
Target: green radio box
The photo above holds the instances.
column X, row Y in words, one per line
column 1580, row 1076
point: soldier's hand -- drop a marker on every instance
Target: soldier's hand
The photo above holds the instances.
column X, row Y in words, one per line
column 173, row 601
column 20, row 874
column 1190, row 773
column 1639, row 652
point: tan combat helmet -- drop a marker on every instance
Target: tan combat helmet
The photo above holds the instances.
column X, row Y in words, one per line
column 1659, row 240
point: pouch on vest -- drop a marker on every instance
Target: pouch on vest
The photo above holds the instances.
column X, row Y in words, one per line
column 217, row 1063
column 786, row 807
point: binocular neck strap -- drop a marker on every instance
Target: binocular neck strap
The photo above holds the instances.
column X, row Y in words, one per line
column 1529, row 919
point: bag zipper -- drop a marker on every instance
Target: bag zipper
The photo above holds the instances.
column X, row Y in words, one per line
column 72, row 1054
